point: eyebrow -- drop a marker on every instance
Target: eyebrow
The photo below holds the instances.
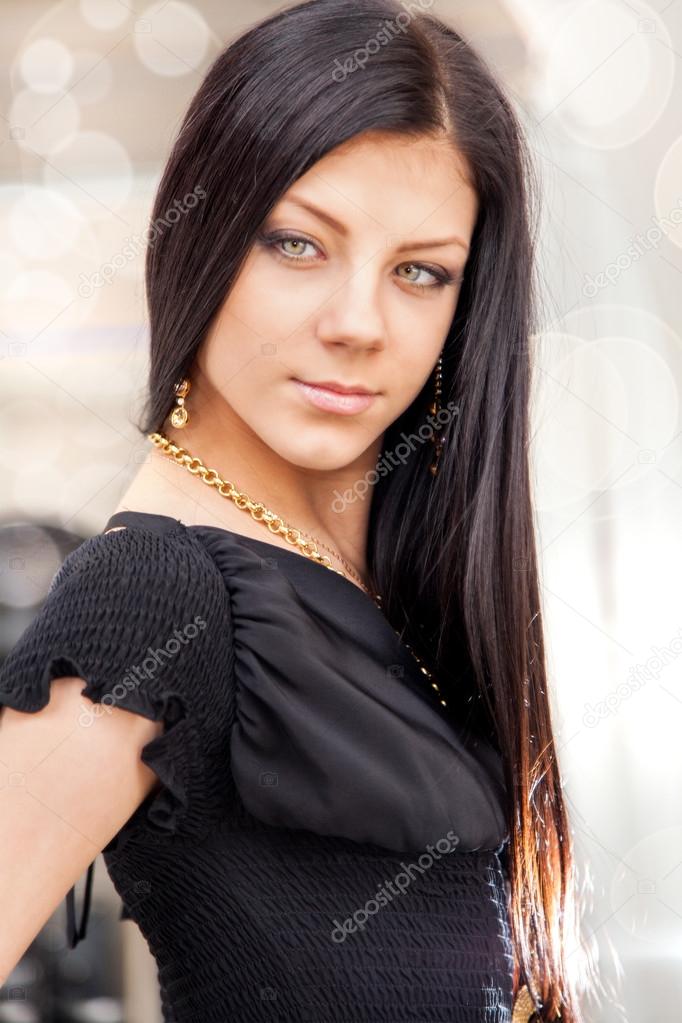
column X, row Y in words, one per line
column 343, row 230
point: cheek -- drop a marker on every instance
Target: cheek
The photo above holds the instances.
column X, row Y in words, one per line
column 242, row 352
column 239, row 365
column 263, row 306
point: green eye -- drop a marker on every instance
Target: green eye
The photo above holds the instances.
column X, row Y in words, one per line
column 274, row 241
column 301, row 242
column 441, row 277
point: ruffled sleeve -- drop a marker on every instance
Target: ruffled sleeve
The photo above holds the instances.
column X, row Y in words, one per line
column 144, row 619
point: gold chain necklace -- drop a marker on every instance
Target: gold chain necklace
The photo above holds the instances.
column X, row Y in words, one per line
column 349, row 568
column 275, row 523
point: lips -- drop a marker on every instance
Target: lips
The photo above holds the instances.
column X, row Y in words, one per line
column 328, row 398
column 333, row 385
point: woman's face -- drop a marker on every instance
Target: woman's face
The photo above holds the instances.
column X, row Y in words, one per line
column 342, row 287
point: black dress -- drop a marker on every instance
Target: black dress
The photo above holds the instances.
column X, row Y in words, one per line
column 323, row 843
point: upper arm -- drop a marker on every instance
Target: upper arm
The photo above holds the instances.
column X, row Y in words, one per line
column 117, row 689
column 66, row 789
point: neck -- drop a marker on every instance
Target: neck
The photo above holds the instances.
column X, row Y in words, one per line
column 316, row 502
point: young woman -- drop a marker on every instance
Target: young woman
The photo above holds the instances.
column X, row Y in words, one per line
column 302, row 709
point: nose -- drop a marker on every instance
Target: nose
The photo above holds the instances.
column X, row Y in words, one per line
column 352, row 315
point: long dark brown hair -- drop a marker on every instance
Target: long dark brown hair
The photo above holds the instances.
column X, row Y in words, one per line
column 453, row 554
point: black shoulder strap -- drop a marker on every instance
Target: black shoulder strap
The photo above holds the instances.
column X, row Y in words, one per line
column 73, row 936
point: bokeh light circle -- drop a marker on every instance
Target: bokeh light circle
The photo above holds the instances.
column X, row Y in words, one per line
column 43, row 224
column 607, row 400
column 171, row 40
column 668, row 192
column 608, row 74
column 104, row 14
column 46, row 65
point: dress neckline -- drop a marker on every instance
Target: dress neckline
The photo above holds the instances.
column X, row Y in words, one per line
column 296, row 562
column 117, row 518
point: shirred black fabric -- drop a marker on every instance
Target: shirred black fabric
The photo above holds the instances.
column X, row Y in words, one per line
column 281, row 870
column 123, row 613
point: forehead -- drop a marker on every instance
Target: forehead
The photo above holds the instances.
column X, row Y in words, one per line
column 394, row 184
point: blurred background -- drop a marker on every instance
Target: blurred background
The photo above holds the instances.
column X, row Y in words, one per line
column 91, row 96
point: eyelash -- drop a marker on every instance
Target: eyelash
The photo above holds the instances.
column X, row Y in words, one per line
column 443, row 278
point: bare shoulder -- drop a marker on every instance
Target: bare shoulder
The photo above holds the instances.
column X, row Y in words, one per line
column 160, row 488
column 163, row 488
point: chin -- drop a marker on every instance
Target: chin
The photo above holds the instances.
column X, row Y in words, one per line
column 317, row 454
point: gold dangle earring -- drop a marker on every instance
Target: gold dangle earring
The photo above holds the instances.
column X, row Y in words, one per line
column 434, row 409
column 180, row 415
